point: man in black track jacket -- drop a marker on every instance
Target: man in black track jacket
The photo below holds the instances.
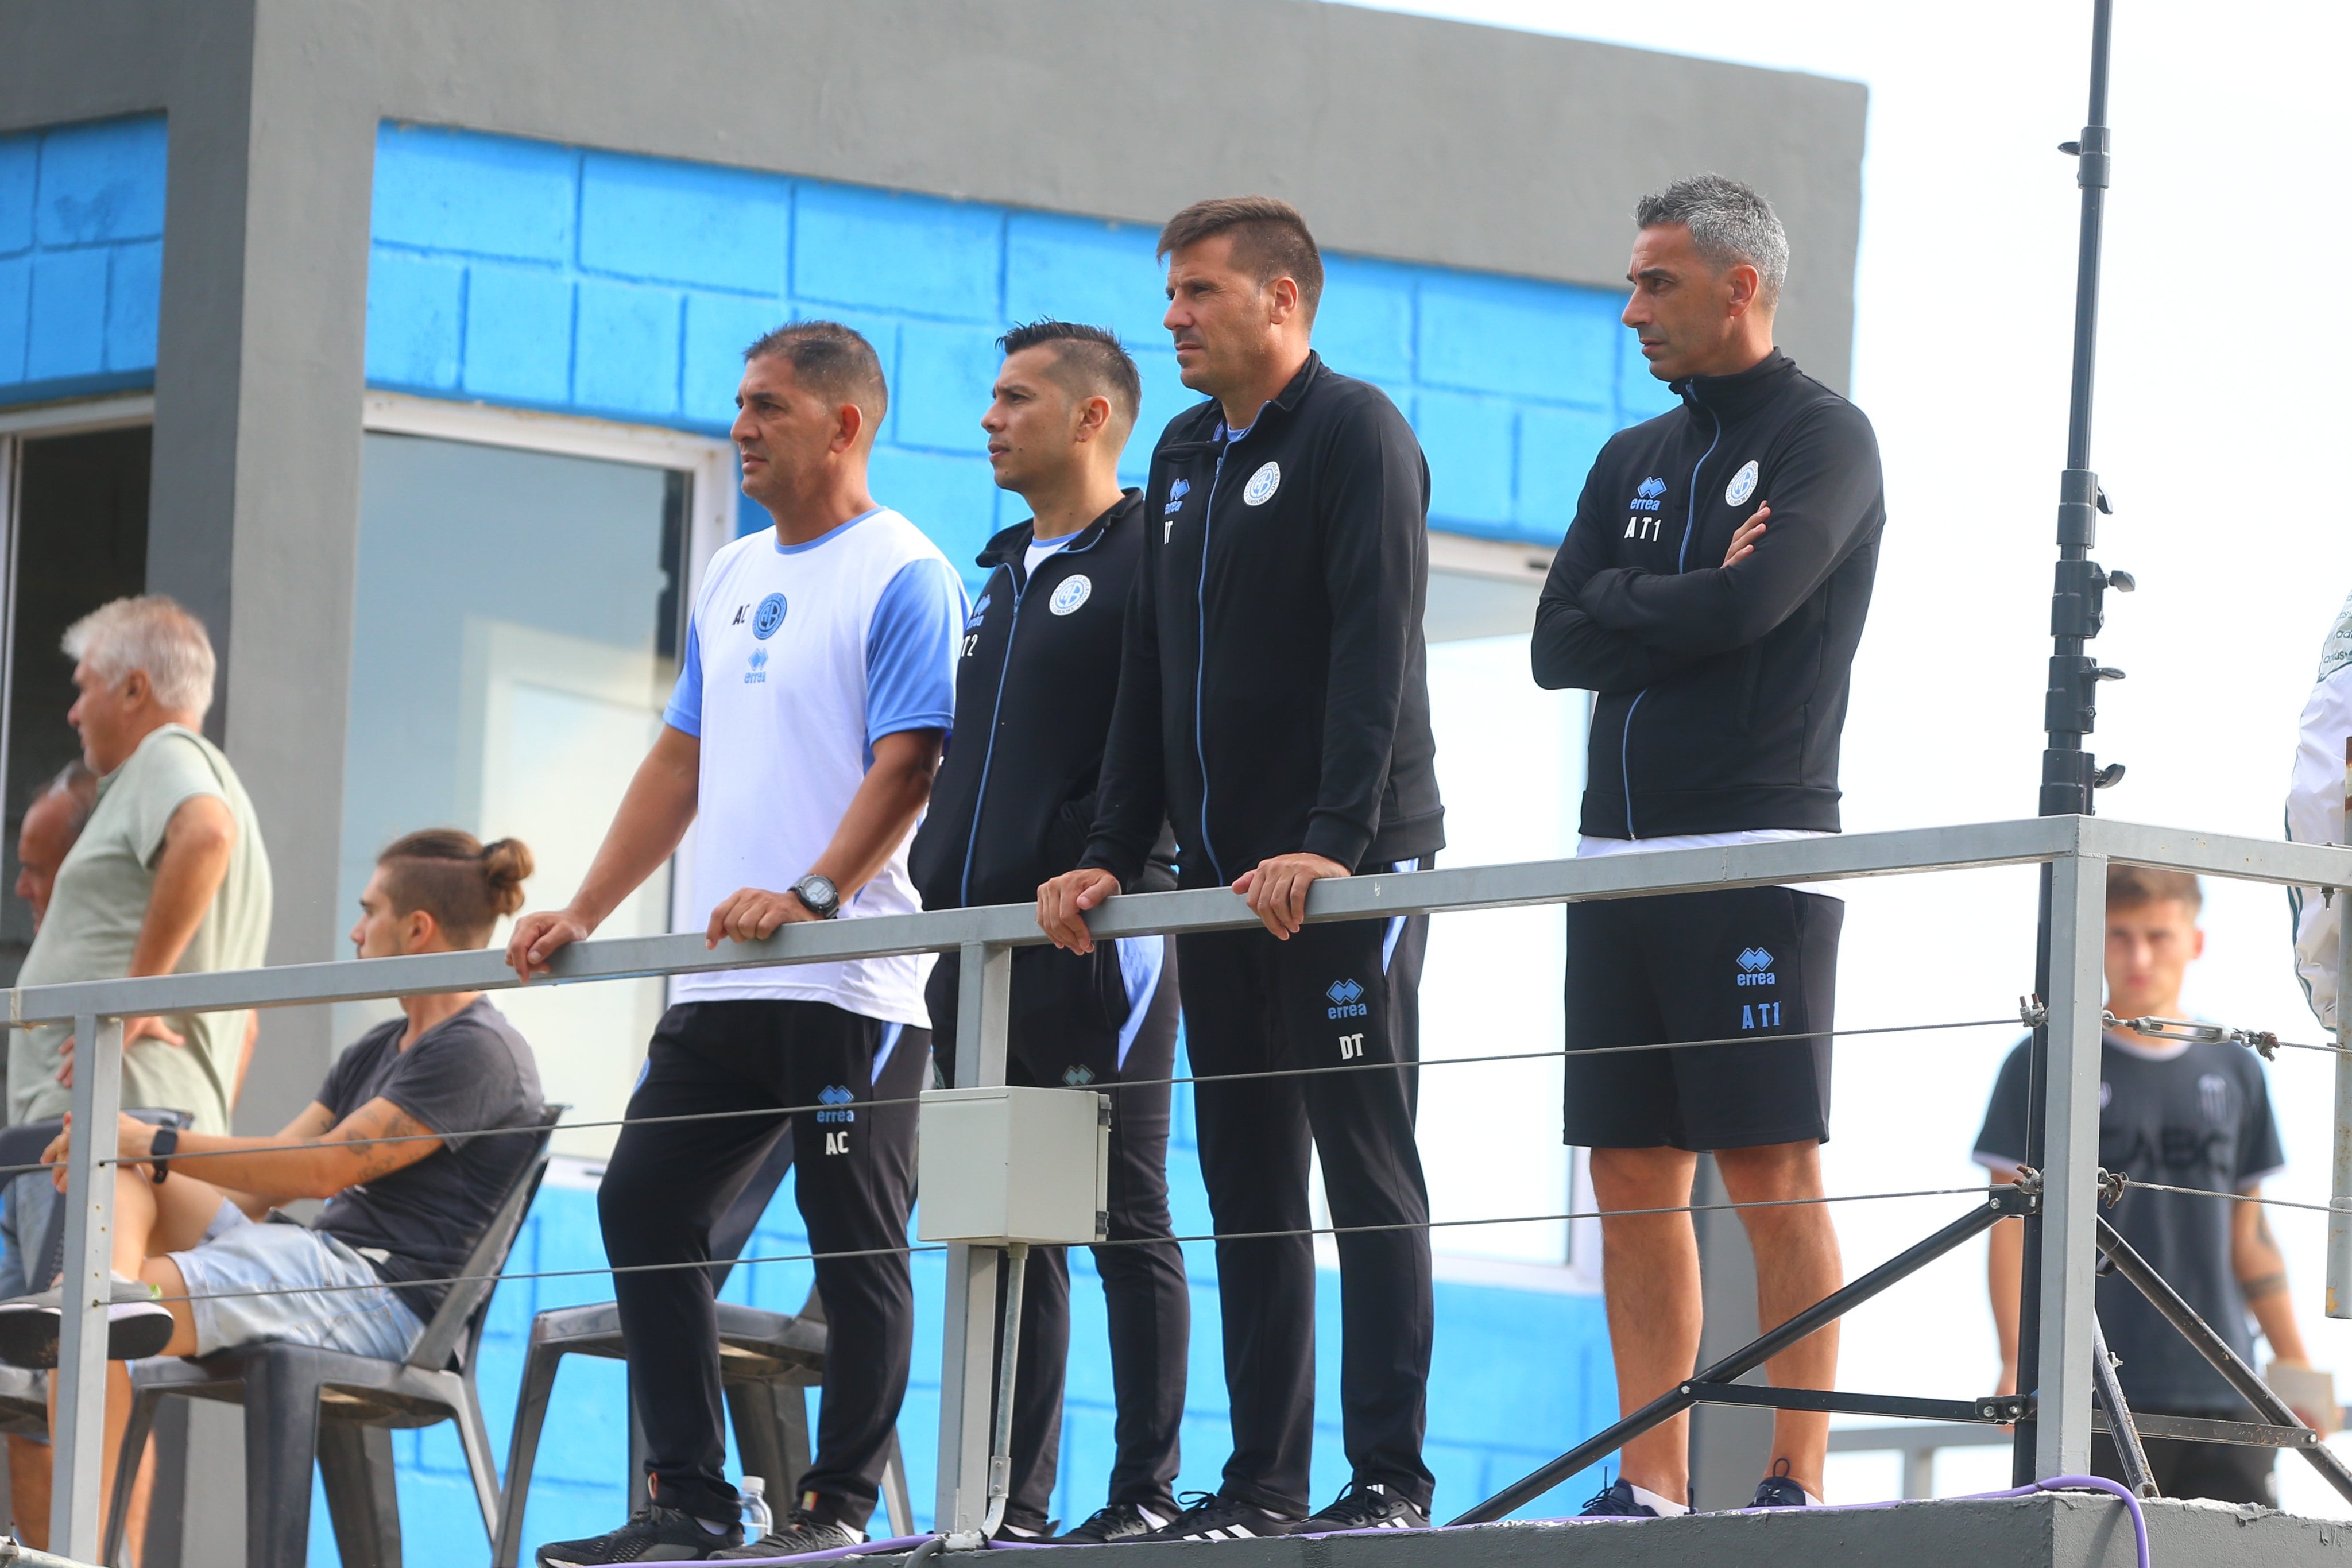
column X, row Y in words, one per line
column 1711, row 594
column 1272, row 706
column 1012, row 806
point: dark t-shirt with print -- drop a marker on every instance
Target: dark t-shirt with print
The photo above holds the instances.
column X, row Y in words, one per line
column 469, row 1072
column 2199, row 1118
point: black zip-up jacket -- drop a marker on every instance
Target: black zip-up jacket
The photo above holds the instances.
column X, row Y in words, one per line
column 1015, row 798
column 1720, row 691
column 1274, row 696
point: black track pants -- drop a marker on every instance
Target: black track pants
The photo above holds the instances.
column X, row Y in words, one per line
column 667, row 1184
column 1332, row 996
column 1064, row 1032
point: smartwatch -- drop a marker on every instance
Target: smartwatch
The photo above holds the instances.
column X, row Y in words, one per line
column 166, row 1140
column 818, row 893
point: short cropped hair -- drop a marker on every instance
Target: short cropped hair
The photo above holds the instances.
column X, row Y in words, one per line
column 1728, row 222
column 150, row 632
column 1270, row 240
column 464, row 884
column 77, row 786
column 1088, row 361
column 2137, row 886
column 832, row 359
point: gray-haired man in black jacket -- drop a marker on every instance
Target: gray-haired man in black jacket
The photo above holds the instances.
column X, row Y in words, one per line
column 1711, row 594
column 1272, row 706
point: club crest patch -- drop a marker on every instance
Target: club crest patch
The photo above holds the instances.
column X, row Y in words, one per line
column 1073, row 592
column 1263, row 485
column 1743, row 484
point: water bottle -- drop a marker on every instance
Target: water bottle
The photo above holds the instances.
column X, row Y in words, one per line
column 759, row 1519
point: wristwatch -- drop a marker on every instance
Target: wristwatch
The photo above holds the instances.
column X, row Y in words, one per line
column 818, row 893
column 166, row 1140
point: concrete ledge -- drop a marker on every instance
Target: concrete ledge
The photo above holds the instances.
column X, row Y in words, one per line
column 2075, row 1530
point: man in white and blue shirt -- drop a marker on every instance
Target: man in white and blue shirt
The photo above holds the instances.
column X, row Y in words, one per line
column 817, row 691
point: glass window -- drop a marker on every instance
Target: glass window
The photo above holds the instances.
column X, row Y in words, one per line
column 516, row 631
column 1510, row 765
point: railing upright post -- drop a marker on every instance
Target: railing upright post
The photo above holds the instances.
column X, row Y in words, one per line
column 968, row 1354
column 2339, row 1192
column 78, row 1443
column 2070, row 1197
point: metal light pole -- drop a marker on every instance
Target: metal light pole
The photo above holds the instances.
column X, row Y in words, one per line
column 2070, row 707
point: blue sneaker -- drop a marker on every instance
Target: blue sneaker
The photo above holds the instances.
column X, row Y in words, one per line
column 1779, row 1491
column 1616, row 1502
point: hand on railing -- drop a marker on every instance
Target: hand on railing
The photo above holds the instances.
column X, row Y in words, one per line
column 538, row 936
column 1275, row 889
column 1063, row 902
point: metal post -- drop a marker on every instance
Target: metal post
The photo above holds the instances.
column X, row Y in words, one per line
column 2339, row 1194
column 967, row 1354
column 2070, row 1182
column 77, row 1441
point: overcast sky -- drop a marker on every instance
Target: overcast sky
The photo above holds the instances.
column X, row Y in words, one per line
column 2219, row 438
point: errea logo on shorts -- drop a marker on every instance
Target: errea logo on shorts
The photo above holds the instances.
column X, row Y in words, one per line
column 1346, row 1000
column 1755, row 969
column 1263, row 485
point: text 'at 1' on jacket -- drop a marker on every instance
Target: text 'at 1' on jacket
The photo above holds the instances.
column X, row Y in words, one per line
column 1015, row 798
column 1720, row 691
column 1273, row 694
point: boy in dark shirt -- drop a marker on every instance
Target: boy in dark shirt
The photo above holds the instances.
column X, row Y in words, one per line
column 195, row 1229
column 2193, row 1114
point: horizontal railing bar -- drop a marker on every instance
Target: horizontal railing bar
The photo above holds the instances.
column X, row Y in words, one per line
column 1926, row 1437
column 2200, row 1429
column 1449, row 889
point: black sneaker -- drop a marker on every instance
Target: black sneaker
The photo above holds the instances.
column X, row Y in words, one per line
column 1214, row 1517
column 1779, row 1491
column 136, row 1325
column 1616, row 1502
column 1365, row 1505
column 799, row 1532
column 1118, row 1521
column 654, row 1535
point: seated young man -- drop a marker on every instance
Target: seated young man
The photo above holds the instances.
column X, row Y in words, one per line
column 195, row 1233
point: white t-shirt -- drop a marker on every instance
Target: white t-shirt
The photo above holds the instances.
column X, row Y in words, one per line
column 799, row 658
column 2315, row 812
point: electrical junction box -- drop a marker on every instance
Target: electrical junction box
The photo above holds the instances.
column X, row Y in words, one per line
column 1010, row 1164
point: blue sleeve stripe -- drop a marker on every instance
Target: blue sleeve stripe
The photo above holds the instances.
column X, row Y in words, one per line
column 910, row 649
column 684, row 713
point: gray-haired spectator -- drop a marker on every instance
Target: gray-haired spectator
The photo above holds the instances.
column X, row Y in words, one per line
column 168, row 876
column 52, row 822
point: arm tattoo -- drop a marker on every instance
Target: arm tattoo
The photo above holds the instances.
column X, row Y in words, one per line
column 381, row 1119
column 2264, row 1285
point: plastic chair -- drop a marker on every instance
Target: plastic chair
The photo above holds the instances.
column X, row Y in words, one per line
column 766, row 1361
column 304, row 1406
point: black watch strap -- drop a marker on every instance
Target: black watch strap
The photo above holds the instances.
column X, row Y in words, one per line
column 166, row 1140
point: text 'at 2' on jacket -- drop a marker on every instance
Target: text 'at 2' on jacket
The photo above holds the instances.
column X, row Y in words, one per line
column 1015, row 798
column 1720, row 691
column 1274, row 693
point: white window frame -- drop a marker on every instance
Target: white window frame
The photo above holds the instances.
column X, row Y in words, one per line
column 708, row 460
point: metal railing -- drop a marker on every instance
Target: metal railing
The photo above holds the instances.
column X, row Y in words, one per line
column 2078, row 849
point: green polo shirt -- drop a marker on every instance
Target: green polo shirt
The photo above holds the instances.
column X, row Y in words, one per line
column 92, row 926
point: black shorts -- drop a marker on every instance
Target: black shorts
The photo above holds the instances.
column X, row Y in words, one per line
column 1741, row 965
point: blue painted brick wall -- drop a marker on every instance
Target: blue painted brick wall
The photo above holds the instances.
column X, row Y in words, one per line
column 81, row 258
column 558, row 278
column 546, row 277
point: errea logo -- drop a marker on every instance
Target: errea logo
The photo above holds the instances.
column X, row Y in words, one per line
column 1346, row 1000
column 833, row 1096
column 757, row 674
column 1755, row 969
column 1646, row 497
